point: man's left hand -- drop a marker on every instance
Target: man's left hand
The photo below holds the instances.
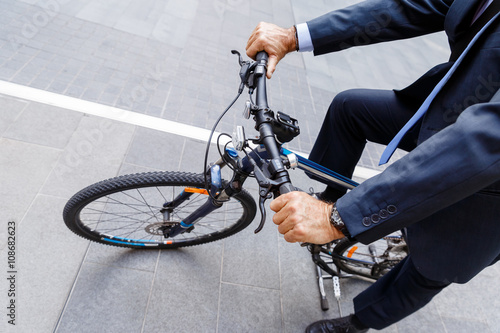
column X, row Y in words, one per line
column 276, row 41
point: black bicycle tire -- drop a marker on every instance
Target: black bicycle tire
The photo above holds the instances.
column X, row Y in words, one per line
column 339, row 249
column 142, row 180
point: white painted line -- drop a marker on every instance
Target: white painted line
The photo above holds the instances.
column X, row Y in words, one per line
column 129, row 117
column 109, row 112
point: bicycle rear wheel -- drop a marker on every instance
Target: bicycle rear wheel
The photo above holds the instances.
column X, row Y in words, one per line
column 373, row 260
column 126, row 211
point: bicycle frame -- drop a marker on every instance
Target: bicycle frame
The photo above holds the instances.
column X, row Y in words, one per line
column 324, row 175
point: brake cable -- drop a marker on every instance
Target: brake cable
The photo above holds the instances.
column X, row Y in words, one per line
column 205, row 166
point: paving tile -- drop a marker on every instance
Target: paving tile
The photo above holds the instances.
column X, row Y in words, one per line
column 28, row 73
column 44, row 125
column 58, row 87
column 464, row 326
column 92, row 94
column 11, row 109
column 107, row 99
column 172, row 30
column 107, row 299
column 21, row 177
column 149, row 149
column 350, row 288
column 484, row 288
column 252, row 259
column 193, row 155
column 40, row 82
column 94, row 153
column 299, row 289
column 248, row 309
column 207, row 27
column 154, row 111
column 122, row 257
column 74, row 91
column 15, row 64
column 474, row 302
column 49, row 257
column 185, row 294
column 426, row 319
column 7, row 73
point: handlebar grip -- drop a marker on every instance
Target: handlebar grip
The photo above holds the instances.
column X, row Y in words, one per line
column 288, row 187
column 260, row 73
column 262, row 55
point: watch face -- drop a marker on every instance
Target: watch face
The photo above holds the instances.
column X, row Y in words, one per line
column 337, row 220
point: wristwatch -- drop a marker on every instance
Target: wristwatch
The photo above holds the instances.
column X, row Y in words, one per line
column 337, row 221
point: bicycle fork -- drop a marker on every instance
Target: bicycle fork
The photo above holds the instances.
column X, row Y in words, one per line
column 216, row 194
column 172, row 229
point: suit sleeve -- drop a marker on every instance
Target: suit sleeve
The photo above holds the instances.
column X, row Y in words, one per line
column 453, row 164
column 375, row 21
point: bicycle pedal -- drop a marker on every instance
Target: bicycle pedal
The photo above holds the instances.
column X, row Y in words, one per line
column 336, row 287
column 336, row 292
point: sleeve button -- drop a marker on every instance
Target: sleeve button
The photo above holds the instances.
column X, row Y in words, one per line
column 383, row 213
column 392, row 209
column 375, row 218
column 367, row 221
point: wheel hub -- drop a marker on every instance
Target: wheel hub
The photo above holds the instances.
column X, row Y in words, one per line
column 159, row 228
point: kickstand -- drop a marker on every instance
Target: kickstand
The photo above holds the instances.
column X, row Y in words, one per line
column 336, row 289
column 326, row 270
column 324, row 302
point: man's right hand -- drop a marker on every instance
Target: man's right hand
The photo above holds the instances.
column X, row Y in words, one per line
column 302, row 218
column 276, row 41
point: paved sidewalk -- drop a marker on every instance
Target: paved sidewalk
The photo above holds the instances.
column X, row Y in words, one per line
column 171, row 60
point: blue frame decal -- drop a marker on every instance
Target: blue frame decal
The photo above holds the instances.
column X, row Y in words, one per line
column 321, row 169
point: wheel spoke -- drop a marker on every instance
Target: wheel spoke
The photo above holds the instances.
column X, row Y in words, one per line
column 146, row 203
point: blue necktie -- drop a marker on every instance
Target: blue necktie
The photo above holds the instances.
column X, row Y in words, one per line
column 391, row 147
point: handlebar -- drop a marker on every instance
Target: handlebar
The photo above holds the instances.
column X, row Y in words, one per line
column 262, row 55
column 260, row 72
column 265, row 128
column 271, row 174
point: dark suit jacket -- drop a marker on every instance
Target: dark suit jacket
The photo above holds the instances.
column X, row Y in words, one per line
column 446, row 191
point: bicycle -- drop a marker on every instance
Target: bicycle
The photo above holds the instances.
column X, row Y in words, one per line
column 166, row 210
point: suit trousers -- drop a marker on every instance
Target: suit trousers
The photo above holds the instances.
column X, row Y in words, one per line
column 354, row 117
column 395, row 296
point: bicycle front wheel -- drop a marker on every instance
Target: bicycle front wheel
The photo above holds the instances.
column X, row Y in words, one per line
column 126, row 211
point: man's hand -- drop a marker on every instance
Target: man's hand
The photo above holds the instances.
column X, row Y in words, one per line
column 276, row 41
column 302, row 218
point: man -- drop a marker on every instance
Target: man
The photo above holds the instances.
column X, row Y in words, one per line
column 445, row 193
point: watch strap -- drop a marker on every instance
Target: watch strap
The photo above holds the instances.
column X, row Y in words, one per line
column 337, row 222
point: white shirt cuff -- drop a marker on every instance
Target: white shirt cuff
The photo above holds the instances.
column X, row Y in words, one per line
column 304, row 38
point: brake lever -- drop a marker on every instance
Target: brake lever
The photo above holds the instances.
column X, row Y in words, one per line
column 265, row 185
column 240, row 59
column 262, row 208
column 246, row 75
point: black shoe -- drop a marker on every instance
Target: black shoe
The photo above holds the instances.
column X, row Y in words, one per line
column 339, row 325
